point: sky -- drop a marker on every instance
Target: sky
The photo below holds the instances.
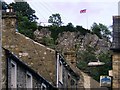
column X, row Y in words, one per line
column 99, row 11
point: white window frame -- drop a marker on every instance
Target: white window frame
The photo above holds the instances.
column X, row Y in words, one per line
column 43, row 85
column 60, row 72
column 14, row 80
column 31, row 82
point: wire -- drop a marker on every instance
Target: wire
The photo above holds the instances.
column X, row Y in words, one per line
column 47, row 9
column 34, row 5
column 52, row 8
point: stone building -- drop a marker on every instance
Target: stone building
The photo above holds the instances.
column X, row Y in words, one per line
column 19, row 75
column 116, row 52
column 28, row 64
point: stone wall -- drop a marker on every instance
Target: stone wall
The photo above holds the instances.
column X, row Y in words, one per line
column 67, row 79
column 4, row 70
column 116, row 70
column 90, row 83
column 116, row 52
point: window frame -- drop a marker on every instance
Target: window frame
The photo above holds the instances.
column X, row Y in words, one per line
column 29, row 74
column 15, row 76
column 60, row 72
column 43, row 85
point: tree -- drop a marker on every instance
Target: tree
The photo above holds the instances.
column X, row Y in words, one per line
column 4, row 5
column 48, row 41
column 70, row 27
column 26, row 18
column 26, row 27
column 88, row 55
column 82, row 30
column 96, row 30
column 104, row 30
column 55, row 19
column 24, row 9
column 100, row 30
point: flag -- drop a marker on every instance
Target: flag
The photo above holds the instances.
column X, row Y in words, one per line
column 83, row 11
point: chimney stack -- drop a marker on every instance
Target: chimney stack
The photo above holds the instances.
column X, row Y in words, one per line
column 116, row 33
column 9, row 19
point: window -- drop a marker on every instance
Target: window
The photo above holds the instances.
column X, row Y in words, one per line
column 60, row 72
column 13, row 74
column 68, row 76
column 72, row 82
column 28, row 80
column 43, row 86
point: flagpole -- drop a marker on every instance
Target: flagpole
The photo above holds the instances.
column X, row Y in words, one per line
column 87, row 20
column 84, row 11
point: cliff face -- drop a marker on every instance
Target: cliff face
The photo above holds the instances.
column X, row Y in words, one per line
column 72, row 41
column 40, row 34
column 75, row 41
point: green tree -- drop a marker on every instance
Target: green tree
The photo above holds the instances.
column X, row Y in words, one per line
column 70, row 27
column 26, row 27
column 96, row 30
column 4, row 5
column 82, row 30
column 101, row 30
column 104, row 31
column 48, row 41
column 84, row 57
column 24, row 9
column 55, row 19
column 26, row 18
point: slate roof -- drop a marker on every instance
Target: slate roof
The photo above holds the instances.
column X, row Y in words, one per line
column 38, row 57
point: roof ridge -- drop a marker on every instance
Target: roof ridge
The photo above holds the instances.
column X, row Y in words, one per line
column 35, row 42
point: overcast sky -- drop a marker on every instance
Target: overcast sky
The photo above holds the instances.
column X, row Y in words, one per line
column 99, row 11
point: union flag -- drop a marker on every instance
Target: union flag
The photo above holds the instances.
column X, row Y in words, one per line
column 83, row 11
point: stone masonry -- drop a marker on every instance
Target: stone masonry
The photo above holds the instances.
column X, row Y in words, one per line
column 116, row 52
column 116, row 70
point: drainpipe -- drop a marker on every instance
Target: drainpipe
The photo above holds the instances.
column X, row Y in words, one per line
column 0, row 46
column 57, row 69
